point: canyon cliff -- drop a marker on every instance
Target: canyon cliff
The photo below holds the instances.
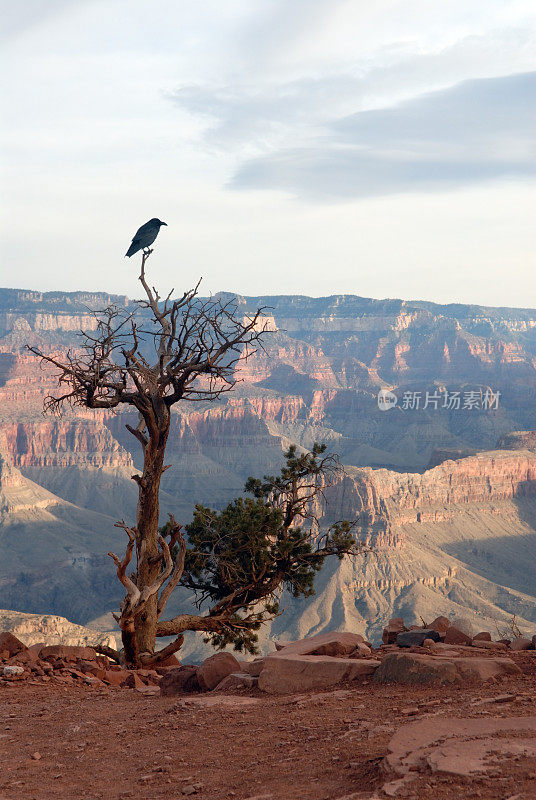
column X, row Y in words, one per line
column 456, row 535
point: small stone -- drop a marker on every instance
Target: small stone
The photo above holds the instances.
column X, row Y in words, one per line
column 36, row 756
column 13, row 670
column 237, row 680
column 191, row 788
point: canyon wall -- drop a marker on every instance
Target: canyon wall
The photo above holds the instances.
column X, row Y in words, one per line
column 456, row 535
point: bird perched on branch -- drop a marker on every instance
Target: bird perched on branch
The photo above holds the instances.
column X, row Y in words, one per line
column 145, row 236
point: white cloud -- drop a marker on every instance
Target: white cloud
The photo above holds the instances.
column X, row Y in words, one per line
column 477, row 131
column 120, row 110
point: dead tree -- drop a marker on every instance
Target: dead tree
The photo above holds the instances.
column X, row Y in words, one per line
column 162, row 353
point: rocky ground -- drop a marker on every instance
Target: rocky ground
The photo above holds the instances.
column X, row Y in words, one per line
column 76, row 741
column 435, row 712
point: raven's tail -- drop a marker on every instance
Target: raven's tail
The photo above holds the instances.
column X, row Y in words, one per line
column 132, row 249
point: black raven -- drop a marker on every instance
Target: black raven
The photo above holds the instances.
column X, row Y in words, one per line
column 145, row 236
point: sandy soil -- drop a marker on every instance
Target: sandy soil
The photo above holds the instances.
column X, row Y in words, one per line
column 82, row 743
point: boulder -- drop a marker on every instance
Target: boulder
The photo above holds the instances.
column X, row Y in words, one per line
column 440, row 624
column 289, row 672
column 391, row 631
column 461, row 747
column 464, row 625
column 456, row 636
column 362, row 651
column 24, row 657
column 416, row 637
column 534, row 641
column 521, row 644
column 415, row 669
column 483, row 636
column 253, row 668
column 11, row 644
column 483, row 644
column 112, row 677
column 180, row 680
column 215, row 668
column 67, row 653
column 133, row 681
column 334, row 643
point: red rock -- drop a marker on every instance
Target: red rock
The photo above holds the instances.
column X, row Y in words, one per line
column 149, row 691
column 333, row 643
column 164, row 670
column 67, row 653
column 362, row 651
column 440, row 624
column 521, row 644
column 455, row 636
column 413, row 668
column 133, row 681
column 149, row 675
column 170, row 661
column 11, row 644
column 391, row 631
column 253, row 668
column 112, row 677
column 215, row 668
column 483, row 644
column 179, row 680
column 459, row 746
column 289, row 672
column 484, row 636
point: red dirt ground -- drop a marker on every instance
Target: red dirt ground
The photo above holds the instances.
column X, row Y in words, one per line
column 79, row 743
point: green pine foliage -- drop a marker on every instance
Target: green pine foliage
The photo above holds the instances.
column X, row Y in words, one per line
column 240, row 559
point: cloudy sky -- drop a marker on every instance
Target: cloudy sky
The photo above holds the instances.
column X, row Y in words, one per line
column 384, row 148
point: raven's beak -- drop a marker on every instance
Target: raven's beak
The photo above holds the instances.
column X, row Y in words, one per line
column 164, row 223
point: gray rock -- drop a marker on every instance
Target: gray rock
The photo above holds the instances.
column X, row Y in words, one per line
column 464, row 625
column 13, row 670
column 416, row 637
